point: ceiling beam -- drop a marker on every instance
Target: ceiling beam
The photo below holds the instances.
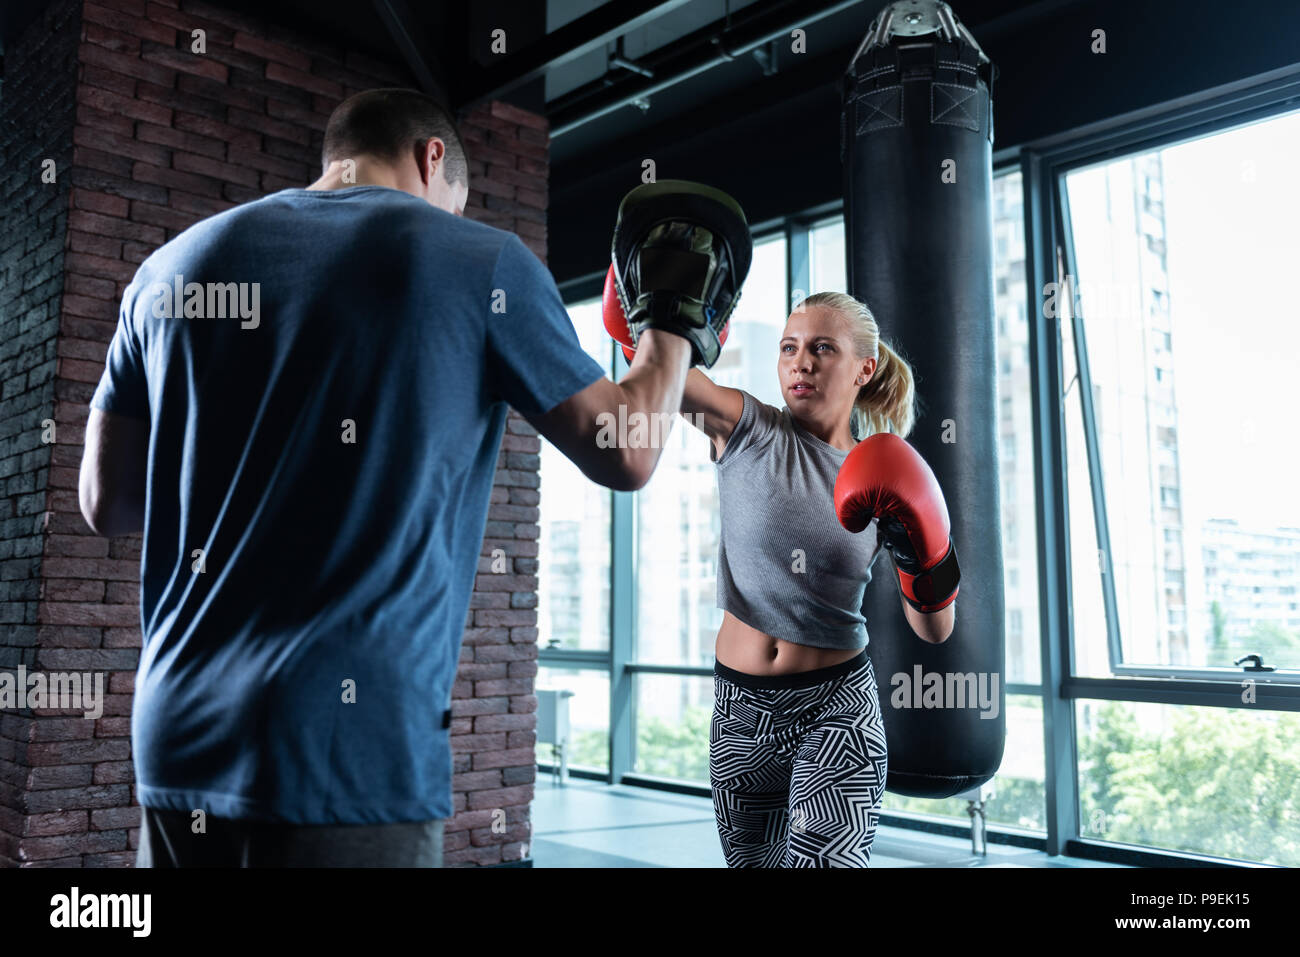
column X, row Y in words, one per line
column 606, row 23
column 399, row 21
column 790, row 83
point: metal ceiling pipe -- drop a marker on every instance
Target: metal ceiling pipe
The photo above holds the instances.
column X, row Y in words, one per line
column 725, row 46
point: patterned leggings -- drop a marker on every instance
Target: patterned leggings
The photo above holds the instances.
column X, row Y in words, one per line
column 797, row 763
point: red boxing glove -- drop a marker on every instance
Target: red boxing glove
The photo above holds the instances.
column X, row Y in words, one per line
column 615, row 320
column 884, row 478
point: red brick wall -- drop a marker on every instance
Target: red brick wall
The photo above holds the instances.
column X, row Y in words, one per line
column 162, row 138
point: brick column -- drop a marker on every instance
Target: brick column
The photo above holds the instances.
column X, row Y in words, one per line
column 36, row 123
column 494, row 707
column 150, row 137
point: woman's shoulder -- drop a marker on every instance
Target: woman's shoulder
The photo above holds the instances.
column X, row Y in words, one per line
column 758, row 424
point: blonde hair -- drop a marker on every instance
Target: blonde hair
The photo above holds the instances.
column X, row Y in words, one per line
column 887, row 403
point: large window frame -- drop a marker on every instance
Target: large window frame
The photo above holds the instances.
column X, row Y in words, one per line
column 1048, row 253
column 1049, row 257
column 1067, row 261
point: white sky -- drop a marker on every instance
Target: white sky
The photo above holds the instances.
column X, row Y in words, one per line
column 1232, row 215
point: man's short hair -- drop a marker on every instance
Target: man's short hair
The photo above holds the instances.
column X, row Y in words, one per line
column 387, row 123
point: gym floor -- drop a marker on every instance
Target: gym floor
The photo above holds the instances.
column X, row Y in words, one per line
column 593, row 824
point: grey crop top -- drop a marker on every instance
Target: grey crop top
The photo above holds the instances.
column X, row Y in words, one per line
column 786, row 566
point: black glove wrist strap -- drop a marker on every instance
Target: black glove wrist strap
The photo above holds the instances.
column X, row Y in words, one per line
column 934, row 588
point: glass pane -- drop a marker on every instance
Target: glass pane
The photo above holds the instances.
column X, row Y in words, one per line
column 677, row 555
column 1015, row 434
column 677, row 512
column 1206, row 780
column 672, row 726
column 826, row 264
column 749, row 359
column 590, row 327
column 1193, row 363
column 1088, row 615
column 574, row 543
column 1019, row 796
column 588, row 707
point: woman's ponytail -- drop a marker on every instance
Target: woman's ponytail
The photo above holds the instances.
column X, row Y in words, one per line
column 887, row 402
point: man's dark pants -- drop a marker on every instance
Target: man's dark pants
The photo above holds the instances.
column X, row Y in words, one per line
column 167, row 839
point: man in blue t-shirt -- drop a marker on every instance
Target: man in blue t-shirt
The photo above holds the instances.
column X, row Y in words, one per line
column 302, row 408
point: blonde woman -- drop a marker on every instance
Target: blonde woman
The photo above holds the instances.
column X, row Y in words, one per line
column 797, row 754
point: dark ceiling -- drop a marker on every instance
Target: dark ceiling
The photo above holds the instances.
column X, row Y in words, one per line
column 713, row 91
column 558, row 52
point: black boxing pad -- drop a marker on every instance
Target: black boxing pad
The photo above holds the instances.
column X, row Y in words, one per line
column 917, row 141
column 681, row 252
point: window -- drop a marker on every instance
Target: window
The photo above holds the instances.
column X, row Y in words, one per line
column 827, row 264
column 1166, row 577
column 573, row 573
column 1125, row 791
column 672, row 726
column 587, row 702
column 1165, row 453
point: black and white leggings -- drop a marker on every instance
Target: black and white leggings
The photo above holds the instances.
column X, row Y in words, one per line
column 797, row 763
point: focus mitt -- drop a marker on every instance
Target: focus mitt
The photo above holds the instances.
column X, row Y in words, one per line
column 681, row 252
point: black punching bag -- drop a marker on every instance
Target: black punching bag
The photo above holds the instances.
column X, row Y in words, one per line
column 917, row 145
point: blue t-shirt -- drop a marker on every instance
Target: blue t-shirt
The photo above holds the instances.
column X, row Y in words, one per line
column 326, row 404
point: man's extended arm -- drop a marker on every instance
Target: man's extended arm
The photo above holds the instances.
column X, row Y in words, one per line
column 652, row 389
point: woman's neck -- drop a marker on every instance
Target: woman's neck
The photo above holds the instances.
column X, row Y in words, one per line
column 838, row 435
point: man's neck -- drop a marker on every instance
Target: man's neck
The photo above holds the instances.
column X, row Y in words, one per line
column 339, row 176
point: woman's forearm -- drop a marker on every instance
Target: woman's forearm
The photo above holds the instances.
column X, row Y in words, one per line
column 934, row 627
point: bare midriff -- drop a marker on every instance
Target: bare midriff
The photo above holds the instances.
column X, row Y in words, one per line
column 747, row 650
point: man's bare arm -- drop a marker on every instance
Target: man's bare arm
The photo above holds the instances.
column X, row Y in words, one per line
column 652, row 388
column 111, row 486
